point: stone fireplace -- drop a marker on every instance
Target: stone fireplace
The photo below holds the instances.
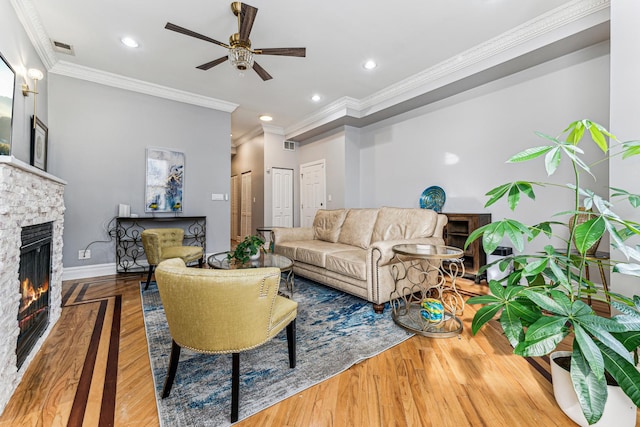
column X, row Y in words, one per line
column 28, row 197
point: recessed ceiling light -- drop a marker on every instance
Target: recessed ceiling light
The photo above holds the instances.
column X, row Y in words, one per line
column 266, row 118
column 315, row 98
column 129, row 42
column 370, row 64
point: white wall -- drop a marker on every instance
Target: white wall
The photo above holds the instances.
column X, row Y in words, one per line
column 98, row 137
column 625, row 92
column 462, row 143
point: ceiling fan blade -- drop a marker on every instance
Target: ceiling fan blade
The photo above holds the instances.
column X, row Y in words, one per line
column 284, row 51
column 182, row 30
column 213, row 63
column 261, row 72
column 247, row 16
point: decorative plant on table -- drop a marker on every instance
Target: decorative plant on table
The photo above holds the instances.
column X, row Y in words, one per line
column 250, row 246
column 540, row 302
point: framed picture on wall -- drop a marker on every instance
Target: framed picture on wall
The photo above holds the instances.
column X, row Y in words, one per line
column 164, row 180
column 39, row 142
column 7, row 87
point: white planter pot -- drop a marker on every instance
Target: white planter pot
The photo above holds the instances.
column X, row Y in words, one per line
column 619, row 411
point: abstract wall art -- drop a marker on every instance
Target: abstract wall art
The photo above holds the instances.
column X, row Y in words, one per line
column 164, row 180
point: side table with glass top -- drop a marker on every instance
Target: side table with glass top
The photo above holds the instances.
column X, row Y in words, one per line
column 220, row 261
column 427, row 271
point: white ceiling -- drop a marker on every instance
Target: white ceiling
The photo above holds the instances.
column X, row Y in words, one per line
column 339, row 37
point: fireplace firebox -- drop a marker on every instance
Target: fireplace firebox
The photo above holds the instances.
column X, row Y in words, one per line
column 34, row 276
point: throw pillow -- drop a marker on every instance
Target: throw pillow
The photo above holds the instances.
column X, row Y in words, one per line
column 327, row 224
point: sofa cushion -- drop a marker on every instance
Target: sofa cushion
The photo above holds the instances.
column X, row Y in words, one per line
column 357, row 227
column 327, row 224
column 314, row 252
column 404, row 223
column 351, row 263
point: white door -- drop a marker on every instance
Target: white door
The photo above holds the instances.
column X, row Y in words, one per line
column 235, row 231
column 282, row 203
column 312, row 191
column 245, row 205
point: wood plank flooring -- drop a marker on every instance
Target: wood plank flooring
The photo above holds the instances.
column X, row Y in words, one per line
column 94, row 370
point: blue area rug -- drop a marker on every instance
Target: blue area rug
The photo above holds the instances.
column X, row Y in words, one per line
column 334, row 331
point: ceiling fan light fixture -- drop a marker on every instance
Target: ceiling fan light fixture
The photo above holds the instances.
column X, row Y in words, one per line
column 240, row 58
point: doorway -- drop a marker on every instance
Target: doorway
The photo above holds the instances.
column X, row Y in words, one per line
column 245, row 205
column 235, row 197
column 312, row 191
column 282, row 197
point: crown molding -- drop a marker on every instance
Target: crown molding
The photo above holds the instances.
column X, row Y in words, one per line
column 275, row 130
column 248, row 136
column 30, row 20
column 545, row 29
column 116, row 80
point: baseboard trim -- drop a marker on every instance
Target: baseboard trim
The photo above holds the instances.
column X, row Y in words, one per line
column 85, row 271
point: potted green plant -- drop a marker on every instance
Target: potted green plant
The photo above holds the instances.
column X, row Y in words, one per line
column 249, row 248
column 541, row 301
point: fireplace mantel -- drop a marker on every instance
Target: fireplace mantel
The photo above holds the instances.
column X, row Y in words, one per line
column 28, row 196
column 12, row 161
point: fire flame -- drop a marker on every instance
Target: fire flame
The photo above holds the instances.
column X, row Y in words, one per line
column 31, row 294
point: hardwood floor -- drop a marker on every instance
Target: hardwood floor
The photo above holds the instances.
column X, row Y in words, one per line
column 93, row 370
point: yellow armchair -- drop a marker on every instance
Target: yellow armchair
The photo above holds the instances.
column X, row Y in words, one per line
column 223, row 311
column 165, row 243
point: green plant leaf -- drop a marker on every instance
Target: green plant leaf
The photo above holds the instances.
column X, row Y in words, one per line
column 598, row 136
column 512, row 326
column 631, row 148
column 552, row 160
column 590, row 389
column 577, row 130
column 484, row 315
column 623, row 371
column 627, row 268
column 557, row 305
column 497, row 193
column 589, row 350
column 588, row 233
column 542, row 337
column 529, row 154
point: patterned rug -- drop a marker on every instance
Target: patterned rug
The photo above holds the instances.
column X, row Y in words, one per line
column 334, row 331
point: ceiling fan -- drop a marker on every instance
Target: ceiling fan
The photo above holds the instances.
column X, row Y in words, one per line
column 240, row 54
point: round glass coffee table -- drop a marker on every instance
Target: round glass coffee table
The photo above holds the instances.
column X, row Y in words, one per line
column 425, row 300
column 220, row 261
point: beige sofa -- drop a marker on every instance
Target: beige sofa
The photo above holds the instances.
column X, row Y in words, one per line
column 350, row 249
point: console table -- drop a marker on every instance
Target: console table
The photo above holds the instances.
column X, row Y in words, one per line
column 130, row 255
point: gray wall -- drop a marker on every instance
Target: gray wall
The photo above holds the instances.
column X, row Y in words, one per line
column 330, row 147
column 249, row 157
column 275, row 156
column 19, row 52
column 462, row 143
column 98, row 136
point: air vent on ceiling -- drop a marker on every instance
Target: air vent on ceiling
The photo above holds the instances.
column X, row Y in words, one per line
column 62, row 47
column 289, row 145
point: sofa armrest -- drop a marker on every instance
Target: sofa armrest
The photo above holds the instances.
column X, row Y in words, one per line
column 291, row 234
column 382, row 253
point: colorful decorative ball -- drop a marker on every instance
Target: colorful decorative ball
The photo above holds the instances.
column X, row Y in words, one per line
column 432, row 309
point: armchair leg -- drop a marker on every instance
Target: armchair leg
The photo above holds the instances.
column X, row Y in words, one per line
column 151, row 268
column 200, row 262
column 235, row 386
column 291, row 343
column 378, row 308
column 173, row 367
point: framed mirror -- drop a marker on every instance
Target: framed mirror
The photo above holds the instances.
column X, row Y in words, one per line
column 7, row 87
